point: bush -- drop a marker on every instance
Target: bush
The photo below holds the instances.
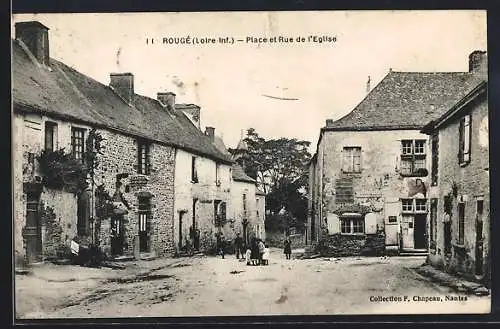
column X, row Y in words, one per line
column 63, row 252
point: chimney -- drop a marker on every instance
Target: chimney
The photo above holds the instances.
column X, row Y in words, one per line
column 478, row 62
column 123, row 85
column 210, row 132
column 329, row 122
column 167, row 99
column 35, row 36
column 368, row 85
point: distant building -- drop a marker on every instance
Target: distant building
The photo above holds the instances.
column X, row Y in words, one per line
column 459, row 217
column 247, row 206
column 369, row 178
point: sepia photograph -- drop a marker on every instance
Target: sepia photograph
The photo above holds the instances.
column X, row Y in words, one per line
column 192, row 164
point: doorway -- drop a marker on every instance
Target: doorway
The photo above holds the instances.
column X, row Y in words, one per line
column 479, row 239
column 419, row 232
column 117, row 235
column 32, row 232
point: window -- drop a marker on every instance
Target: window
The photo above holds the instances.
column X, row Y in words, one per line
column 393, row 219
column 50, row 136
column 433, row 221
column 479, row 209
column 77, row 143
column 420, row 205
column 194, row 173
column 352, row 225
column 413, row 157
column 435, row 159
column 143, row 162
column 352, row 159
column 464, row 140
column 217, row 178
column 407, row 205
column 414, row 205
column 461, row 223
column 244, row 204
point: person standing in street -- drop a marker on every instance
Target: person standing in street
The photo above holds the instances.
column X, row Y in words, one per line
column 220, row 244
column 288, row 249
column 262, row 248
column 238, row 245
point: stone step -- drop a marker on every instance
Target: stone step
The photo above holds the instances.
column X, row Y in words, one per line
column 124, row 258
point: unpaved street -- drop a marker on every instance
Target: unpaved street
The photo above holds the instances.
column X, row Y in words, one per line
column 214, row 286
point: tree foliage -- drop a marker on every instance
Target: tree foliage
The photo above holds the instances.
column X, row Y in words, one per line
column 280, row 167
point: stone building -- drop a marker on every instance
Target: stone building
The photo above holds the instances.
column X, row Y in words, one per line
column 202, row 186
column 459, row 217
column 248, row 204
column 369, row 177
column 60, row 112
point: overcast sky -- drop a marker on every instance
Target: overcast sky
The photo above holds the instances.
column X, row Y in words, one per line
column 314, row 81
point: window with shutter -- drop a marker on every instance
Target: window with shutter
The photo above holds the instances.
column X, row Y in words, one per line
column 464, row 135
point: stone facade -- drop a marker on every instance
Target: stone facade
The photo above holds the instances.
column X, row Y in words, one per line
column 119, row 163
column 195, row 199
column 464, row 185
column 373, row 191
column 119, row 158
column 244, row 207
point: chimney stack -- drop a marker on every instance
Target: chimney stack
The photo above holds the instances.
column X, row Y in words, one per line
column 167, row 99
column 210, row 132
column 368, row 85
column 123, row 85
column 329, row 122
column 35, row 36
column 478, row 62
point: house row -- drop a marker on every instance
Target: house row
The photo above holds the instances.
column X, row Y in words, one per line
column 381, row 177
column 152, row 181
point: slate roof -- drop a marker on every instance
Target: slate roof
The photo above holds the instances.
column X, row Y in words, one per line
column 240, row 175
column 407, row 100
column 68, row 94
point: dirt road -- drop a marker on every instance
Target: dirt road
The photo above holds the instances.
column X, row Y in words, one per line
column 215, row 286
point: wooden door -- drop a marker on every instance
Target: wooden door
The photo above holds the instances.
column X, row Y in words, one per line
column 419, row 232
column 407, row 232
column 117, row 235
column 32, row 231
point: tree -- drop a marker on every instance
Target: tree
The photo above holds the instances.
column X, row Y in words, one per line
column 280, row 167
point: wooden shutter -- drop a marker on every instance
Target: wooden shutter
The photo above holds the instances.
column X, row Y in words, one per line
column 371, row 223
column 333, row 224
column 346, row 159
column 461, row 141
column 467, row 138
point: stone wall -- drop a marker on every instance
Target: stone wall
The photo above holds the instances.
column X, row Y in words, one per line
column 339, row 245
column 471, row 184
column 379, row 180
column 120, row 158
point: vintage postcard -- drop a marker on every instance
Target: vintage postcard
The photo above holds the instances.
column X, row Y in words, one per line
column 250, row 163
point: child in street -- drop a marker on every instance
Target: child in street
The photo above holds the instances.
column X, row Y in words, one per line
column 265, row 255
column 248, row 255
column 288, row 249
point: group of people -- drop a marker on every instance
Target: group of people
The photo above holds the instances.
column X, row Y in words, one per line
column 257, row 252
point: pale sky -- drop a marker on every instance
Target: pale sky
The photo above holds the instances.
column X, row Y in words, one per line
column 228, row 81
